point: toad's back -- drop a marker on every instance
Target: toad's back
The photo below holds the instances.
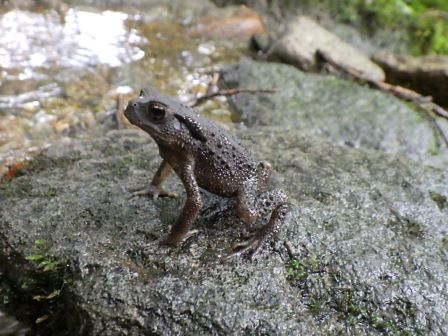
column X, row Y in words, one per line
column 221, row 162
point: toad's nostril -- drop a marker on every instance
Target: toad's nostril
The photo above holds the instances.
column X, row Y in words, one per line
column 134, row 104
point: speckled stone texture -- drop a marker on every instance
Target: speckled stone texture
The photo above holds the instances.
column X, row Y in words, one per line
column 331, row 108
column 368, row 231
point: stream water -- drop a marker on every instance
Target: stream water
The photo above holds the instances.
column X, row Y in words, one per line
column 42, row 57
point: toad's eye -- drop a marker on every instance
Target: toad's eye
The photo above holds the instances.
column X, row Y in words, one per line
column 157, row 111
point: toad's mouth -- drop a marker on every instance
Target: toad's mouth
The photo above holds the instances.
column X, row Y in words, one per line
column 133, row 116
column 130, row 114
column 154, row 132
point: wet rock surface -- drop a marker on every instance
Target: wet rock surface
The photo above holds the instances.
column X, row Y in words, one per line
column 365, row 173
column 332, row 108
column 368, row 234
column 11, row 327
column 303, row 37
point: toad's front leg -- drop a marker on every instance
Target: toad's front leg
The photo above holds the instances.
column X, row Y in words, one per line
column 181, row 229
column 155, row 188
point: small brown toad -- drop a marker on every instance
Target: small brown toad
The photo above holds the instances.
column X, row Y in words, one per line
column 204, row 155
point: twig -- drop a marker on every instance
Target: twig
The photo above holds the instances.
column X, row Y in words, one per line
column 437, row 128
column 228, row 92
column 440, row 111
column 436, row 13
column 424, row 102
column 289, row 249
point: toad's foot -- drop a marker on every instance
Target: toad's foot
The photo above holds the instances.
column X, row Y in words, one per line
column 170, row 240
column 251, row 246
column 175, row 239
column 153, row 191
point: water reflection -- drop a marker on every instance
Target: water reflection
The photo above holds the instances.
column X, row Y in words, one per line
column 74, row 39
column 43, row 57
column 30, row 99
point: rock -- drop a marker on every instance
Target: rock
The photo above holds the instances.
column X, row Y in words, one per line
column 427, row 74
column 259, row 43
column 367, row 228
column 12, row 327
column 242, row 24
column 303, row 37
column 337, row 109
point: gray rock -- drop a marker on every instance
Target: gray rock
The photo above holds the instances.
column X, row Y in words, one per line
column 427, row 74
column 10, row 327
column 303, row 37
column 369, row 231
column 339, row 110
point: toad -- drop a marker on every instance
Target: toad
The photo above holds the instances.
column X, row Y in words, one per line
column 205, row 155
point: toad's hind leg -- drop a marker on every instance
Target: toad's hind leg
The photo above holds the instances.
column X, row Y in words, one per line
column 270, row 204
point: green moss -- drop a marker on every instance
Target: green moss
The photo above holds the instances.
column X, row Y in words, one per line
column 424, row 20
column 316, row 306
column 109, row 151
column 41, row 163
column 430, row 35
column 329, row 293
column 7, row 191
column 440, row 200
column 42, row 258
column 22, row 189
column 33, row 288
column 434, row 145
column 445, row 242
column 299, row 270
column 123, row 164
column 420, row 115
column 48, row 194
column 405, row 226
column 5, row 297
column 43, row 287
column 16, row 188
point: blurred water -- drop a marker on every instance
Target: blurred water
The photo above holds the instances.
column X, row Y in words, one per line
column 40, row 52
column 74, row 39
